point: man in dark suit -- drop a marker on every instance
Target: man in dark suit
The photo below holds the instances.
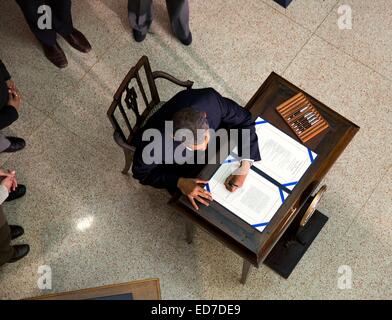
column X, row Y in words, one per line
column 10, row 101
column 195, row 112
column 36, row 13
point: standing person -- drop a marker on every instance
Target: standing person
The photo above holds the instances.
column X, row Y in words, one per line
column 8, row 253
column 61, row 18
column 10, row 101
column 140, row 16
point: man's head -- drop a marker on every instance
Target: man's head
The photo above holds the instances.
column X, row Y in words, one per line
column 191, row 127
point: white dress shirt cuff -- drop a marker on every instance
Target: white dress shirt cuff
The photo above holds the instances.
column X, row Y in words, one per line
column 3, row 194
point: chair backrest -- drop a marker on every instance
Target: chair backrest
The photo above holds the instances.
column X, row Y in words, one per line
column 133, row 101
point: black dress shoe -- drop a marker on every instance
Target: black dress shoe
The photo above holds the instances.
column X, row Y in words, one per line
column 55, row 55
column 20, row 252
column 16, row 232
column 187, row 41
column 78, row 41
column 138, row 36
column 16, row 144
column 19, row 192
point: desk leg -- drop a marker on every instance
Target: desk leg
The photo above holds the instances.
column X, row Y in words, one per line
column 189, row 231
column 245, row 271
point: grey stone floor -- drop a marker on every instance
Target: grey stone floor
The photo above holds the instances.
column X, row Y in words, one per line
column 72, row 166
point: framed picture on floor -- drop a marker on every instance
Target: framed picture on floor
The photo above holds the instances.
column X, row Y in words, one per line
column 148, row 289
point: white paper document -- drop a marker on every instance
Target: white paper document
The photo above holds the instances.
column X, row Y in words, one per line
column 282, row 158
column 255, row 203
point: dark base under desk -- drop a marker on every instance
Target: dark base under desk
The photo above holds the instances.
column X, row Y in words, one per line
column 289, row 250
column 293, row 245
column 283, row 3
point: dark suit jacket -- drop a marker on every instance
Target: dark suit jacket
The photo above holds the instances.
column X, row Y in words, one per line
column 221, row 113
column 8, row 114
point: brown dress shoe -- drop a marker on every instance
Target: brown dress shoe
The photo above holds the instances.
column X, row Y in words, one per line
column 55, row 55
column 77, row 40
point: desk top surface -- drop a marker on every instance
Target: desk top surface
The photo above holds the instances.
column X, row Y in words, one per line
column 233, row 231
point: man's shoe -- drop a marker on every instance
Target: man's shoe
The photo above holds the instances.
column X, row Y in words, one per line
column 77, row 40
column 19, row 192
column 17, row 144
column 55, row 55
column 187, row 41
column 16, row 232
column 20, row 252
column 138, row 36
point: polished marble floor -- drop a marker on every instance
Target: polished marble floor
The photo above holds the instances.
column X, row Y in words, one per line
column 94, row 226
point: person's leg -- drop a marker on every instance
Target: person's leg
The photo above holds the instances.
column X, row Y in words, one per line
column 140, row 16
column 30, row 11
column 179, row 17
column 62, row 16
column 63, row 24
column 4, row 143
column 47, row 37
column 6, row 251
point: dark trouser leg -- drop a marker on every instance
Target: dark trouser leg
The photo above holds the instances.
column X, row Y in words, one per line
column 62, row 16
column 179, row 17
column 140, row 14
column 4, row 142
column 6, row 251
column 30, row 11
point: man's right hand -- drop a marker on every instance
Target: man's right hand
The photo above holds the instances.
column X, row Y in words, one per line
column 192, row 189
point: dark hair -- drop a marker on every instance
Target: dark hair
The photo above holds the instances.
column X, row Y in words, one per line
column 193, row 120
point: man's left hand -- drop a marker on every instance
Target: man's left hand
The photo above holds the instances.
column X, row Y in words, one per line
column 11, row 85
column 6, row 173
column 9, row 180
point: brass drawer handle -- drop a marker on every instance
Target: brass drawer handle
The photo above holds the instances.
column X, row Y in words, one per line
column 292, row 211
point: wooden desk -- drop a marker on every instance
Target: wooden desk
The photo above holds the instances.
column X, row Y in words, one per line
column 252, row 245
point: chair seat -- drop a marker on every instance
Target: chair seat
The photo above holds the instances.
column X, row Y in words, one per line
column 152, row 112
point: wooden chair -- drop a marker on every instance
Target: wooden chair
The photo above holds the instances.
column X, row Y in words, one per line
column 133, row 104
